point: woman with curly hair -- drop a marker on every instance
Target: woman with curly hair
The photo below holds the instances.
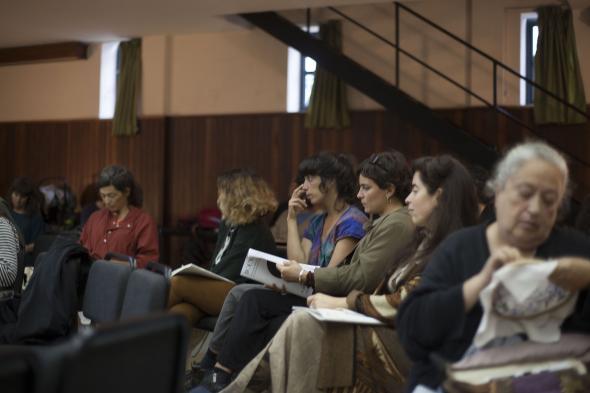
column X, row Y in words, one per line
column 243, row 198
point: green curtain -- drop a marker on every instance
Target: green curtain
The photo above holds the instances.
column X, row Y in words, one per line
column 125, row 119
column 328, row 107
column 557, row 68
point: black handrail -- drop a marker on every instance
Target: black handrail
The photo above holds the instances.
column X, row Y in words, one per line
column 495, row 63
column 429, row 67
column 480, row 52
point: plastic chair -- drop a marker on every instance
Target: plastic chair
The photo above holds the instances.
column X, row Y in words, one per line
column 146, row 292
column 105, row 291
column 146, row 355
column 19, row 368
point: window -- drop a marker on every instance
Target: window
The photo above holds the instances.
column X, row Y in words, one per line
column 109, row 71
column 300, row 77
column 528, row 45
column 308, row 67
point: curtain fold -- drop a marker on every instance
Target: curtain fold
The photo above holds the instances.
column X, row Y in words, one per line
column 328, row 106
column 125, row 119
column 557, row 68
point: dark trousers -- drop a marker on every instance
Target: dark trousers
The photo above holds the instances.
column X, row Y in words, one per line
column 259, row 314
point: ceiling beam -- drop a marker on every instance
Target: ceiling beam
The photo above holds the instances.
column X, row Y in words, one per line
column 44, row 53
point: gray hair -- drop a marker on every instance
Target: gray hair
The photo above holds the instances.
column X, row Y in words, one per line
column 519, row 155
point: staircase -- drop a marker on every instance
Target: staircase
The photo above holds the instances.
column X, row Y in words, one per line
column 462, row 143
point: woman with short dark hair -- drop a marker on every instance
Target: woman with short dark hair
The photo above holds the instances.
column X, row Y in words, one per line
column 328, row 185
column 121, row 226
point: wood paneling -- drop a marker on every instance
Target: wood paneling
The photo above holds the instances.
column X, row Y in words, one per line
column 44, row 53
column 176, row 160
column 78, row 150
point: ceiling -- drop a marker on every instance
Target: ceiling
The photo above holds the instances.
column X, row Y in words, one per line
column 33, row 22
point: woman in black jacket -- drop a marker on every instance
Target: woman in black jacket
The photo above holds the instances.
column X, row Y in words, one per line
column 243, row 198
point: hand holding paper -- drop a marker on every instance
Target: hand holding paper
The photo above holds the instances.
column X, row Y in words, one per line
column 290, row 270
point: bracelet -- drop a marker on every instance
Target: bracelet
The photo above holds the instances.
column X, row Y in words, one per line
column 300, row 279
column 310, row 280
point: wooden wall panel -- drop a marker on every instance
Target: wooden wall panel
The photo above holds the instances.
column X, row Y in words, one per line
column 176, row 160
column 78, row 150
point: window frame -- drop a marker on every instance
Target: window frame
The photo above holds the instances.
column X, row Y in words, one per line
column 315, row 33
column 530, row 24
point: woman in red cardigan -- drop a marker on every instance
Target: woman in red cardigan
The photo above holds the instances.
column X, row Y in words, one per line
column 121, row 226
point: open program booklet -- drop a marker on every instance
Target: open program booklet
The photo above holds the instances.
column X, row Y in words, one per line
column 198, row 271
column 339, row 315
column 261, row 266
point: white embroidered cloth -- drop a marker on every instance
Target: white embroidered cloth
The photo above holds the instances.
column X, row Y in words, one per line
column 521, row 299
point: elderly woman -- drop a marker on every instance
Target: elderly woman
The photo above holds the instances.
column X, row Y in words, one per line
column 244, row 198
column 121, row 227
column 442, row 315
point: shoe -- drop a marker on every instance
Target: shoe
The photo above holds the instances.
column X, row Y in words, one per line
column 199, row 374
column 188, row 380
column 215, row 381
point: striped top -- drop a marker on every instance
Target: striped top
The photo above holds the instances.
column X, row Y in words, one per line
column 9, row 249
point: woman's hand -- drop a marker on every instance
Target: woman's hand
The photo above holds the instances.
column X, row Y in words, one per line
column 499, row 258
column 296, row 203
column 571, row 273
column 320, row 300
column 290, row 270
column 473, row 286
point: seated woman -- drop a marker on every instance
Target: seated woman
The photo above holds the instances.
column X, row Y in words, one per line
column 442, row 315
column 384, row 179
column 121, row 227
column 243, row 198
column 11, row 245
column 357, row 358
column 329, row 187
column 26, row 213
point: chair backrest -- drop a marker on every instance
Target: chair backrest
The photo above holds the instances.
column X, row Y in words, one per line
column 18, row 370
column 105, row 291
column 146, row 292
column 146, row 355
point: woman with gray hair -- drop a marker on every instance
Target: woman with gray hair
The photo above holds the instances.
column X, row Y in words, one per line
column 121, row 226
column 442, row 315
